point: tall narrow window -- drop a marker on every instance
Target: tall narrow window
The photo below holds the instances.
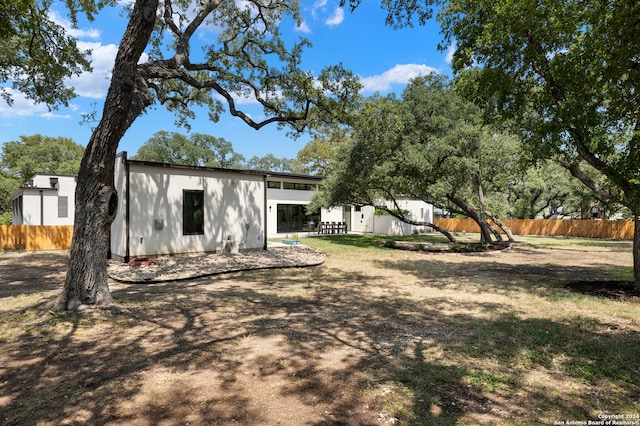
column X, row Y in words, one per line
column 193, row 212
column 63, row 206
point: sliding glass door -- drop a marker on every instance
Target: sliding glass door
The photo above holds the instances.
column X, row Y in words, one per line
column 294, row 218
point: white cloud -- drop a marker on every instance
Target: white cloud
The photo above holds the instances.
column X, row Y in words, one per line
column 399, row 74
column 450, row 51
column 22, row 107
column 336, row 18
column 51, row 115
column 91, row 33
column 319, row 5
column 95, row 84
column 303, row 27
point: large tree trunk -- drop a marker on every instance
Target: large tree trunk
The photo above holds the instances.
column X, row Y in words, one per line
column 405, row 219
column 501, row 225
column 486, row 229
column 96, row 198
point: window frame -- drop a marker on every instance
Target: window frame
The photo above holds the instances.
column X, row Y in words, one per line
column 63, row 206
column 192, row 227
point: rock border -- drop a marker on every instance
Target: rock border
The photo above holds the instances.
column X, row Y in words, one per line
column 181, row 268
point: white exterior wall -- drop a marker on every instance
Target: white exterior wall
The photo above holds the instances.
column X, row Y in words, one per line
column 362, row 221
column 31, row 207
column 66, row 188
column 331, row 215
column 365, row 220
column 41, row 198
column 233, row 207
column 283, row 196
column 418, row 211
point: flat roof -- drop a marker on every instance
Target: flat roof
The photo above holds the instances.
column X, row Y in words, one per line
column 222, row 169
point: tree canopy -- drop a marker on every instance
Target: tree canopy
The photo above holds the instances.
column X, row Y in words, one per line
column 271, row 163
column 36, row 54
column 196, row 150
column 40, row 154
column 567, row 75
column 430, row 144
column 320, row 154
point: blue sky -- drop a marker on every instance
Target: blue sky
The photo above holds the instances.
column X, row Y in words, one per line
column 383, row 58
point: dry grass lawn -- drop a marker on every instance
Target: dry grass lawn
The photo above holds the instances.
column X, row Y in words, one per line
column 373, row 336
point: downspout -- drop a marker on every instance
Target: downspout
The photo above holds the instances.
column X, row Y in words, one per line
column 127, row 236
column 41, row 207
column 266, row 202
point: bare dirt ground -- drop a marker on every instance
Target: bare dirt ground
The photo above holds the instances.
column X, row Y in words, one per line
column 372, row 336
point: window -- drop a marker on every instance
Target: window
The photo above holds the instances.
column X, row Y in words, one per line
column 63, row 206
column 300, row 186
column 192, row 212
column 273, row 184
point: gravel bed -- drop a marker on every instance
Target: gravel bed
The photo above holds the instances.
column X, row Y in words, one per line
column 173, row 268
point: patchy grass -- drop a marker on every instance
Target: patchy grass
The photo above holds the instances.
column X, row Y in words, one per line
column 373, row 336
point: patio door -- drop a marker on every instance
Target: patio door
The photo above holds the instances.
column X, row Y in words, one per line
column 294, row 218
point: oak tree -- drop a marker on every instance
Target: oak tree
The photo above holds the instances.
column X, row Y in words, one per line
column 248, row 58
column 567, row 74
column 37, row 54
column 197, row 149
column 431, row 145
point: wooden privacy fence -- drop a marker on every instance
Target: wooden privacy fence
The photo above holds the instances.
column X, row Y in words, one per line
column 23, row 237
column 614, row 229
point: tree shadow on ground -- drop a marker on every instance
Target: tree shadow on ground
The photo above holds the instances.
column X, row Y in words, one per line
column 27, row 273
column 328, row 343
column 481, row 275
column 608, row 289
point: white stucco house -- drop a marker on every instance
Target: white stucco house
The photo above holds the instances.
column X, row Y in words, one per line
column 172, row 209
column 45, row 199
column 176, row 209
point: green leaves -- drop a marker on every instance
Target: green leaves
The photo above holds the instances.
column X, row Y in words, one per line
column 40, row 154
column 21, row 160
column 566, row 74
column 248, row 62
column 196, row 150
column 428, row 144
column 36, row 54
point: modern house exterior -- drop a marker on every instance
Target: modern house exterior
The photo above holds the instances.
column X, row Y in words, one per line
column 287, row 198
column 171, row 209
column 45, row 199
column 177, row 209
